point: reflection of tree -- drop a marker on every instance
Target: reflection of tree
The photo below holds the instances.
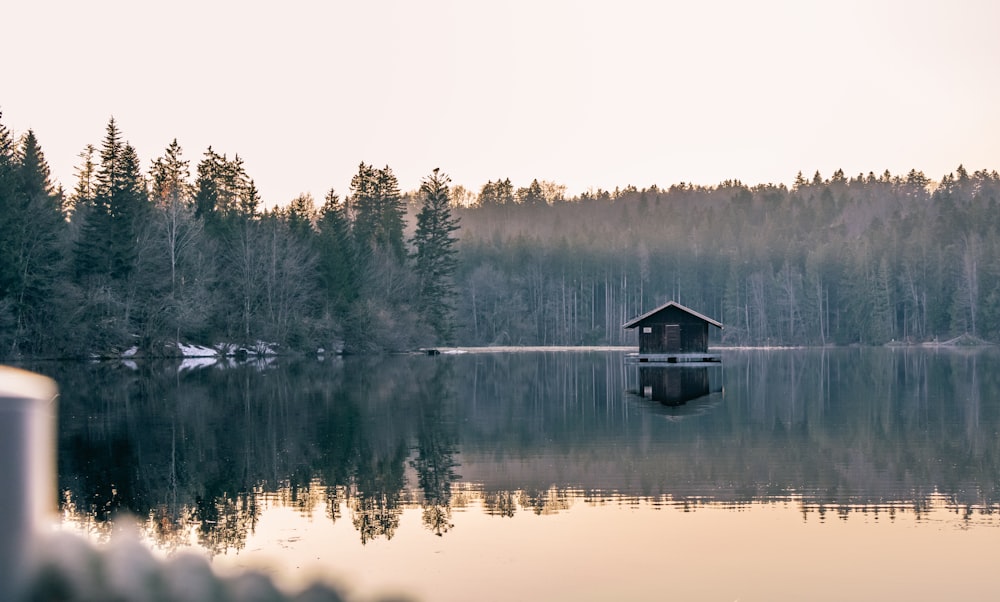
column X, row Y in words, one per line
column 375, row 515
column 436, row 449
column 108, row 484
column 437, row 518
column 499, row 503
column 376, row 508
column 334, row 496
column 304, row 497
column 225, row 521
column 549, row 501
column 168, row 527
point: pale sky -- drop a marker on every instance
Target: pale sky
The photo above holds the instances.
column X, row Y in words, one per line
column 583, row 93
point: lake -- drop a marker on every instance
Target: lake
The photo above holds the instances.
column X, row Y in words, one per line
column 866, row 474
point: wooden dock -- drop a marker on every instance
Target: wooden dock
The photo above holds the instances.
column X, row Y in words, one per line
column 673, row 358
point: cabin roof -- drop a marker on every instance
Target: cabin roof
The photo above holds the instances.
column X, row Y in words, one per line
column 635, row 321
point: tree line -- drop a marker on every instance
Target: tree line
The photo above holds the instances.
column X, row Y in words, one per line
column 135, row 258
column 866, row 260
column 134, row 261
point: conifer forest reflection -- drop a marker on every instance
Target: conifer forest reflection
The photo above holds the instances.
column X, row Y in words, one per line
column 198, row 452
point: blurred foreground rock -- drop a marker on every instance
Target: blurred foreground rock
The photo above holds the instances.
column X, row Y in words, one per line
column 70, row 569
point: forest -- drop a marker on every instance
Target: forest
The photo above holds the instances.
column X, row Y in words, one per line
column 135, row 259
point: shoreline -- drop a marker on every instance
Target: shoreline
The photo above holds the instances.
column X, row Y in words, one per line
column 243, row 353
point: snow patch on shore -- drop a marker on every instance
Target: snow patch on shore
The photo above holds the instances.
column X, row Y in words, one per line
column 226, row 349
column 264, row 348
column 196, row 350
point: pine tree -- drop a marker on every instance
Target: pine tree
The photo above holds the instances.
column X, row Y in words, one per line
column 392, row 211
column 800, row 182
column 114, row 233
column 494, row 194
column 376, row 209
column 91, row 218
column 85, row 191
column 301, row 214
column 113, row 222
column 169, row 176
column 247, row 196
column 338, row 276
column 8, row 175
column 130, row 211
column 30, row 253
column 224, row 192
column 7, row 149
column 434, row 254
column 533, row 195
column 207, row 189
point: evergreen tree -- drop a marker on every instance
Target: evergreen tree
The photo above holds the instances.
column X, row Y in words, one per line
column 533, row 195
column 377, row 211
column 247, row 196
column 800, row 182
column 207, row 186
column 337, row 270
column 336, row 267
column 169, row 177
column 113, row 234
column 223, row 191
column 7, row 164
column 113, row 222
column 93, row 250
column 30, row 252
column 130, row 210
column 434, row 255
column 85, row 190
column 300, row 215
column 90, row 218
column 8, row 178
column 499, row 193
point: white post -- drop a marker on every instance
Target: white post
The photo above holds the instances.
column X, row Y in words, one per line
column 27, row 471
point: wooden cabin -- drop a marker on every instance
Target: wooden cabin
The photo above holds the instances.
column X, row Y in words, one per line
column 673, row 333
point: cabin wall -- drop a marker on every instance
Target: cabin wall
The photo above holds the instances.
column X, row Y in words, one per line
column 673, row 331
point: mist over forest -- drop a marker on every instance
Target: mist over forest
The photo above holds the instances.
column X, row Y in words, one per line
column 143, row 254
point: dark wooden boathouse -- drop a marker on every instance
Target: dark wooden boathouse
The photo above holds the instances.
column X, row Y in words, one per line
column 673, row 333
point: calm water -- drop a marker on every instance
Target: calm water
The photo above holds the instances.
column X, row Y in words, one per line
column 868, row 474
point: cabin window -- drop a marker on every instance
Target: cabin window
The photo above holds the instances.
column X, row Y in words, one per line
column 647, row 330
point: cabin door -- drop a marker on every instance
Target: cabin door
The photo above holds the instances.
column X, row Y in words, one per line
column 672, row 338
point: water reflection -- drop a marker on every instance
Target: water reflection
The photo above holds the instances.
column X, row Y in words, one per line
column 674, row 386
column 201, row 452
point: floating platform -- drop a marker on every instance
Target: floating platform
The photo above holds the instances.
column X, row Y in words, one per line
column 673, row 358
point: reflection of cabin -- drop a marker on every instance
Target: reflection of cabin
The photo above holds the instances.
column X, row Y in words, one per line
column 673, row 333
column 673, row 385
